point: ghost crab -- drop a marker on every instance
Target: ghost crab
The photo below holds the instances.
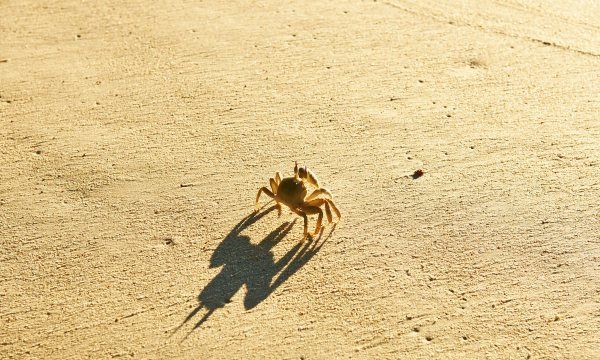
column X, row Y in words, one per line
column 291, row 191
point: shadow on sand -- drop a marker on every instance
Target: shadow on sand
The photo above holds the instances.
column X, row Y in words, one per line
column 244, row 263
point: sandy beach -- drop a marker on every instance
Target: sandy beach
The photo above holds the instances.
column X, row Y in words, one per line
column 135, row 135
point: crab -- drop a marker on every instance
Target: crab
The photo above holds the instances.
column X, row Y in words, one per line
column 292, row 191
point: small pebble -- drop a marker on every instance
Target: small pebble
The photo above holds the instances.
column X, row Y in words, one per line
column 417, row 174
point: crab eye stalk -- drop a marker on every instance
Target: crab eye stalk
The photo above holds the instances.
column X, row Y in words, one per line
column 295, row 169
column 302, row 172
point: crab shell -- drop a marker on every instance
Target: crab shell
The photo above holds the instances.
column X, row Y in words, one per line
column 292, row 191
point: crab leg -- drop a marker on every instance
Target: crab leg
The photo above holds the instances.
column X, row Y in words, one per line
column 261, row 190
column 318, row 203
column 274, row 185
column 314, row 210
column 335, row 209
column 303, row 214
column 328, row 212
column 321, row 191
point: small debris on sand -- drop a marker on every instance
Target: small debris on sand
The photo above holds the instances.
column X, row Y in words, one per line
column 417, row 174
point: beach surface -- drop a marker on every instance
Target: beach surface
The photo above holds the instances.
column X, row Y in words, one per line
column 135, row 135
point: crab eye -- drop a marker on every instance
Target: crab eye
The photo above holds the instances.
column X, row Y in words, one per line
column 302, row 172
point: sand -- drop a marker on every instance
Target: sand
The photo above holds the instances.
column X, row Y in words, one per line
column 135, row 135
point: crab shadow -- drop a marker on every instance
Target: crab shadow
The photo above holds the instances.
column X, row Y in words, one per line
column 252, row 265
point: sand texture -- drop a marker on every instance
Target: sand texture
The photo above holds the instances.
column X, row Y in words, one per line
column 134, row 136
